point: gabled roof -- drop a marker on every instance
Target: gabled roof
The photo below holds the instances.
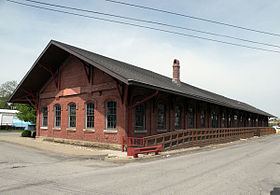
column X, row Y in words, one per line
column 56, row 52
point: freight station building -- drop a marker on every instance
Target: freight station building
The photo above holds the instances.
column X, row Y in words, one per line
column 81, row 95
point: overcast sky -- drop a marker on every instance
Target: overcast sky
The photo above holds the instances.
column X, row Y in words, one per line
column 247, row 75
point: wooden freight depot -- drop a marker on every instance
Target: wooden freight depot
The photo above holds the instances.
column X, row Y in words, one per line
column 81, row 95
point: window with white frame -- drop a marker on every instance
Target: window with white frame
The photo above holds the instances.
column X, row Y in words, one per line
column 57, row 116
column 72, row 115
column 44, row 116
column 161, row 117
column 235, row 120
column 223, row 123
column 249, row 122
column 111, row 115
column 178, row 117
column 202, row 119
column 214, row 119
column 229, row 120
column 190, row 115
column 89, row 115
column 241, row 121
column 140, row 118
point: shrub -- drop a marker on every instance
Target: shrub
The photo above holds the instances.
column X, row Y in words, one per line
column 33, row 134
column 26, row 133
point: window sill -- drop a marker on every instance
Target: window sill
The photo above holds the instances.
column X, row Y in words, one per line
column 161, row 130
column 110, row 131
column 89, row 130
column 57, row 129
column 71, row 129
column 140, row 131
column 44, row 128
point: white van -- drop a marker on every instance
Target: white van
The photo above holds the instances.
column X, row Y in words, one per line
column 277, row 128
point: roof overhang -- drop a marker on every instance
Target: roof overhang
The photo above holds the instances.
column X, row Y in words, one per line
column 43, row 69
column 55, row 54
column 140, row 84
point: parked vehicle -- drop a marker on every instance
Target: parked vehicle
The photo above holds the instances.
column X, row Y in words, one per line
column 277, row 129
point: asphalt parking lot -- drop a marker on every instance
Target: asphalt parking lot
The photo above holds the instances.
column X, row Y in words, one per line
column 250, row 167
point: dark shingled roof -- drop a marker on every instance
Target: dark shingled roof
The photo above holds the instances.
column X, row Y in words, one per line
column 133, row 75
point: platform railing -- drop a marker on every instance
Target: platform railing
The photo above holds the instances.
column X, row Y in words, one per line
column 132, row 142
column 202, row 137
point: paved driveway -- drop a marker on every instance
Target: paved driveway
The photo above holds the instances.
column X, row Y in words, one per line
column 251, row 167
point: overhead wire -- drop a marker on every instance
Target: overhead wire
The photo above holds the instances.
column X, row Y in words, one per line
column 193, row 17
column 152, row 22
column 142, row 26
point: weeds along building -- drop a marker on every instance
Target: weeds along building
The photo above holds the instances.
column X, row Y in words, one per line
column 82, row 95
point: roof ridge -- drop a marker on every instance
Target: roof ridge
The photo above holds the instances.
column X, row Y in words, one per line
column 119, row 61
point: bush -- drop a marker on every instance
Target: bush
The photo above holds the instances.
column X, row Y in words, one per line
column 26, row 133
column 33, row 134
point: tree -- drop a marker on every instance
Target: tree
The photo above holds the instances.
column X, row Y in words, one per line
column 26, row 113
column 6, row 90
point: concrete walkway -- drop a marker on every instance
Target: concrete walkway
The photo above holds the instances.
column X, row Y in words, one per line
column 63, row 149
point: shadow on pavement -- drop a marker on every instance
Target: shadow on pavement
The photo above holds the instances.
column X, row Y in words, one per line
column 275, row 191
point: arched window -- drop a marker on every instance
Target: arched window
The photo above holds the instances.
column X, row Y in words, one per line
column 111, row 115
column 72, row 115
column 229, row 120
column 214, row 119
column 178, row 117
column 253, row 122
column 249, row 122
column 190, row 116
column 223, row 123
column 140, row 117
column 44, row 116
column 89, row 115
column 241, row 124
column 57, row 116
column 202, row 119
column 161, row 116
column 235, row 120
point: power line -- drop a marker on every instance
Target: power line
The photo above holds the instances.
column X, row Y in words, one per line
column 193, row 17
column 146, row 27
column 153, row 22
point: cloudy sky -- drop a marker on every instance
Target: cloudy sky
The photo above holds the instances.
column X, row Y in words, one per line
column 247, row 75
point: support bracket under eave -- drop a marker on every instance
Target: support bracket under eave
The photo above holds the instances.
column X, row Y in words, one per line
column 54, row 75
column 145, row 99
column 88, row 70
column 122, row 90
column 30, row 97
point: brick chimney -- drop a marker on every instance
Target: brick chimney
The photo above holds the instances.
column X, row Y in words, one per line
column 176, row 72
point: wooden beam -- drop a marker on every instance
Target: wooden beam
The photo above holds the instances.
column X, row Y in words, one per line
column 120, row 92
column 33, row 100
column 87, row 70
column 125, row 93
column 155, row 101
column 54, row 75
column 145, row 99
column 30, row 102
column 92, row 74
column 47, row 69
